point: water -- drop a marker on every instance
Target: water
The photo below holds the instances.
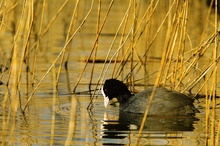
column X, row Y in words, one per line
column 45, row 123
column 49, row 118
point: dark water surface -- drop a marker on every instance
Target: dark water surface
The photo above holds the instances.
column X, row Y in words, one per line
column 56, row 117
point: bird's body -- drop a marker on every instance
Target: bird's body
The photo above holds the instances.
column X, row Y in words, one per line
column 165, row 102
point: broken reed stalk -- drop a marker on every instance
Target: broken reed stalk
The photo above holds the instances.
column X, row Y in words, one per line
column 94, row 45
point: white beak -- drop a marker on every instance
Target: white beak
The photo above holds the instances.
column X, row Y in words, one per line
column 106, row 100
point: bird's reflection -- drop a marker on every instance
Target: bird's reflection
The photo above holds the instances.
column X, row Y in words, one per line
column 128, row 122
column 159, row 123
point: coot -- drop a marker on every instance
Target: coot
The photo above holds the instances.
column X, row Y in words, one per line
column 165, row 102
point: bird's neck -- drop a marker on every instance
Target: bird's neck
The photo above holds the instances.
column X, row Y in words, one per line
column 123, row 98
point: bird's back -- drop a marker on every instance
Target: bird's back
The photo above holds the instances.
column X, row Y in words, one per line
column 165, row 102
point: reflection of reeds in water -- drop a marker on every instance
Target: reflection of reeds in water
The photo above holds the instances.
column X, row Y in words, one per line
column 179, row 68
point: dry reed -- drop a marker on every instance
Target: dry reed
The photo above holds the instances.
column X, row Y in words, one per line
column 178, row 64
